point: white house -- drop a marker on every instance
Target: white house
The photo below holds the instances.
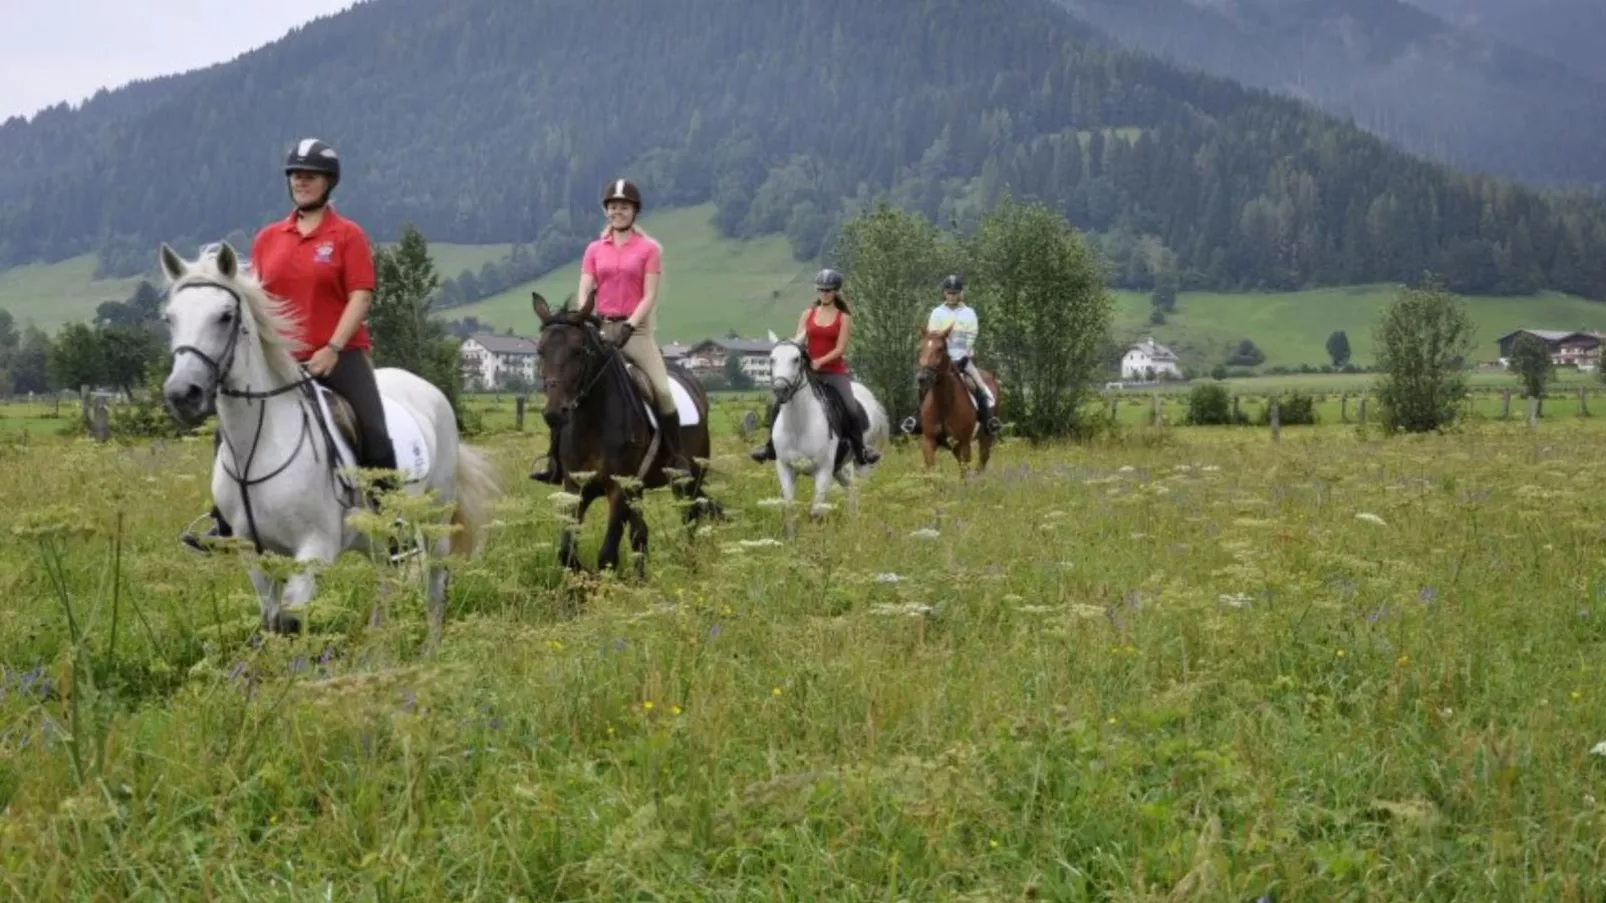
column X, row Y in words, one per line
column 489, row 360
column 709, row 356
column 1148, row 360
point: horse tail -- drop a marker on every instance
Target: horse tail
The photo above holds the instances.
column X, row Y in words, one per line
column 476, row 486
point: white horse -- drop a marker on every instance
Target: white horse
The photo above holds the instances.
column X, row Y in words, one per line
column 276, row 476
column 802, row 433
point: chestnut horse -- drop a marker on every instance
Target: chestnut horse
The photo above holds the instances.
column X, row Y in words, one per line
column 948, row 411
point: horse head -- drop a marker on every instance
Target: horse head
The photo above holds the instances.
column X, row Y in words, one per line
column 789, row 368
column 219, row 318
column 932, row 359
column 571, row 351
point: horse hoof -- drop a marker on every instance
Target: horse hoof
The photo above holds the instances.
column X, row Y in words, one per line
column 285, row 624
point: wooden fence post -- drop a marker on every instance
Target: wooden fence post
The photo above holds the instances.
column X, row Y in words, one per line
column 1236, row 413
column 1533, row 411
column 1343, row 408
column 100, row 421
column 1505, row 405
column 518, row 412
column 1276, row 421
column 1583, row 402
column 1154, row 409
column 1362, row 410
column 1114, row 403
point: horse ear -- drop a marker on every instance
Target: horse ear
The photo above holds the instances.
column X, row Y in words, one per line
column 172, row 264
column 539, row 305
column 773, row 338
column 949, row 331
column 228, row 262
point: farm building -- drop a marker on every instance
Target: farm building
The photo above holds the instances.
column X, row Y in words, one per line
column 1567, row 349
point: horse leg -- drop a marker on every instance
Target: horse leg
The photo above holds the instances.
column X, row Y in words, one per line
column 568, row 544
column 823, row 475
column 986, row 451
column 301, row 587
column 268, row 592
column 788, row 478
column 608, row 557
column 928, row 447
column 638, row 535
column 435, row 596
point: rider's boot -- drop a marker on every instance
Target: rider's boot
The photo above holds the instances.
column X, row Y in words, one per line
column 766, row 452
column 553, row 472
column 674, row 458
column 220, row 529
column 984, row 412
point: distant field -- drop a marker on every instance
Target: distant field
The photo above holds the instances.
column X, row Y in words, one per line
column 58, row 293
column 713, row 285
column 1292, row 327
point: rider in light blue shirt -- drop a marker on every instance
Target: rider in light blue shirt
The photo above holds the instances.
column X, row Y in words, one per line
column 961, row 343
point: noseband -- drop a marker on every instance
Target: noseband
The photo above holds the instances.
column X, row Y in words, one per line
column 595, row 352
column 805, row 373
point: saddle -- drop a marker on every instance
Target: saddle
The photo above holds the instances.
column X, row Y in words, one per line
column 343, row 417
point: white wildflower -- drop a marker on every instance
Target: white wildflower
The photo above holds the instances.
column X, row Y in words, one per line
column 924, row 533
column 1371, row 518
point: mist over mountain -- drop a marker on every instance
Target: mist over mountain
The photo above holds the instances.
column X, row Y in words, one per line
column 1570, row 32
column 1454, row 94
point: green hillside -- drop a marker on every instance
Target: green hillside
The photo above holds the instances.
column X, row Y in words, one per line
column 1292, row 327
column 711, row 285
column 50, row 295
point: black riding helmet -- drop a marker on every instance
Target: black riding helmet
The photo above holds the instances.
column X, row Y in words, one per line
column 828, row 279
column 953, row 284
column 313, row 155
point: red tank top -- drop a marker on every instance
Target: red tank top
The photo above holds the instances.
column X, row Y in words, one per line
column 822, row 339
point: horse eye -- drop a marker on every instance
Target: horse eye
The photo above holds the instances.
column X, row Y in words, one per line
column 226, row 317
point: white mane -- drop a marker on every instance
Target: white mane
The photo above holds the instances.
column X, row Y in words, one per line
column 276, row 324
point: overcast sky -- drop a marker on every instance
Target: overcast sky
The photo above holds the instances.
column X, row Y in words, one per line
column 55, row 50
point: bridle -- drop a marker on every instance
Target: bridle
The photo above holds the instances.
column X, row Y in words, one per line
column 600, row 359
column 222, row 368
column 805, row 373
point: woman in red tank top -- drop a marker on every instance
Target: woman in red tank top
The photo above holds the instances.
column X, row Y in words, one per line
column 827, row 328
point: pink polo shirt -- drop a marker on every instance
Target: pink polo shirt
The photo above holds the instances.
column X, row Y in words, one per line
column 621, row 272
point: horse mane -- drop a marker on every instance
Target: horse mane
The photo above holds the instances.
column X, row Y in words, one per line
column 277, row 325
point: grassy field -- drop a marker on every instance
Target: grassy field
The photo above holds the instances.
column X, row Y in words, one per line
column 1333, row 668
column 1291, row 328
column 52, row 295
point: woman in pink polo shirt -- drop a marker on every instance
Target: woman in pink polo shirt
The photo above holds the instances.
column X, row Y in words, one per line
column 624, row 266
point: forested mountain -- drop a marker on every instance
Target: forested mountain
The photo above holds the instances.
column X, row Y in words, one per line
column 499, row 120
column 1568, row 31
column 1428, row 86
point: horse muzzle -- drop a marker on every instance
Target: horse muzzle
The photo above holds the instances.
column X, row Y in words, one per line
column 189, row 402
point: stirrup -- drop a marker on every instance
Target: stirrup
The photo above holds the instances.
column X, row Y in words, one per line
column 909, row 424
column 194, row 540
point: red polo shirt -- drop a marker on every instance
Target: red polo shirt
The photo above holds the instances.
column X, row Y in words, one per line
column 316, row 273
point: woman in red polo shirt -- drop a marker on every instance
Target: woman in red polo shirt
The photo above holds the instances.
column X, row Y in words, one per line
column 828, row 326
column 624, row 266
column 321, row 264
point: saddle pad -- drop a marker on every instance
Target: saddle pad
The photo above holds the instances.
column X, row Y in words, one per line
column 406, row 437
column 683, row 403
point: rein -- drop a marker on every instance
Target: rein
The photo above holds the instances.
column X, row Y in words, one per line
column 790, row 388
column 222, row 369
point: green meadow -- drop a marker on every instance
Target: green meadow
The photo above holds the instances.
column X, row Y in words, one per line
column 1333, row 667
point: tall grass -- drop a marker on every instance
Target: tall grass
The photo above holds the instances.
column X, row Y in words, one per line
column 1175, row 665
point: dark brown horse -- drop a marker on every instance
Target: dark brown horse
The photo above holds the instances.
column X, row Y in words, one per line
column 948, row 412
column 598, row 402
